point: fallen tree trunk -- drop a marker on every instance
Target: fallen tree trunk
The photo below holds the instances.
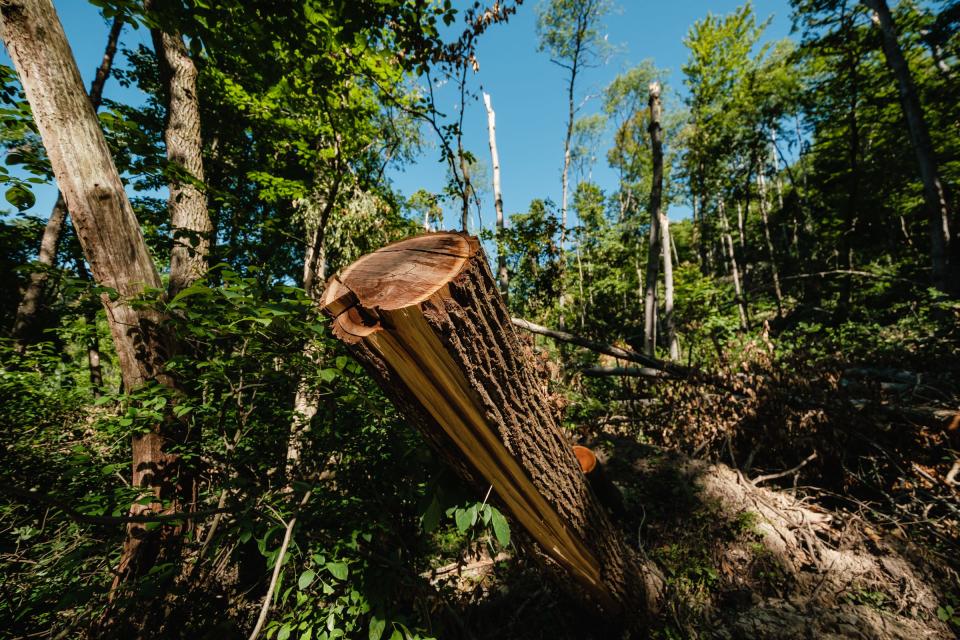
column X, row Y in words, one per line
column 600, row 347
column 426, row 320
column 628, row 372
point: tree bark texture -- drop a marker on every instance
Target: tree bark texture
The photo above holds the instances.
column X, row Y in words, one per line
column 503, row 278
column 111, row 239
column 189, row 218
column 425, row 319
column 32, row 296
column 938, row 206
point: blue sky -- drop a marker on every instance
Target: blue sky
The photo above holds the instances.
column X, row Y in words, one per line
column 527, row 90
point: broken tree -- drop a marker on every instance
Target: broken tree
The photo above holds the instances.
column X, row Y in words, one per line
column 425, row 318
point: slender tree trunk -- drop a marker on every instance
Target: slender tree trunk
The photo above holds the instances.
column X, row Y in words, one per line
column 503, row 278
column 741, row 235
column 732, row 262
column 30, row 304
column 306, row 403
column 851, row 212
column 662, row 225
column 187, row 202
column 113, row 246
column 446, row 352
column 656, row 237
column 91, row 336
column 771, row 253
column 939, row 212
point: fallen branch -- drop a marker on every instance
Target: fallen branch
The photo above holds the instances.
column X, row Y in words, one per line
column 599, row 347
column 79, row 516
column 632, row 372
column 789, row 472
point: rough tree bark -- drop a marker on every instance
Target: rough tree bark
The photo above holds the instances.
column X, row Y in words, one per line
column 189, row 218
column 939, row 212
column 503, row 278
column 112, row 244
column 425, row 319
column 30, row 304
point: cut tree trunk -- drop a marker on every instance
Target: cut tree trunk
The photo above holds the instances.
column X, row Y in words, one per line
column 939, row 212
column 112, row 244
column 30, row 304
column 425, row 319
column 503, row 278
column 189, row 218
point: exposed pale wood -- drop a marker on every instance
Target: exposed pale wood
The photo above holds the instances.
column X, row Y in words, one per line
column 426, row 320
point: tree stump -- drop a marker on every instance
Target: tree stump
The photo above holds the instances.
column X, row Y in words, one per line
column 426, row 320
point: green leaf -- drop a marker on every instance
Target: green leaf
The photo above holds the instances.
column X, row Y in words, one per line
column 463, row 520
column 306, row 579
column 431, row 517
column 501, row 528
column 377, row 625
column 339, row 570
column 284, row 632
column 20, row 197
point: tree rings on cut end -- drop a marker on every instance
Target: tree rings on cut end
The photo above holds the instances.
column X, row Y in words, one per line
column 399, row 275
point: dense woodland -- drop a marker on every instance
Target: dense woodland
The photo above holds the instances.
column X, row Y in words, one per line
column 771, row 384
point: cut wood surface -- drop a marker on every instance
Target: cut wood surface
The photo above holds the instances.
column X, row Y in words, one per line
column 426, row 320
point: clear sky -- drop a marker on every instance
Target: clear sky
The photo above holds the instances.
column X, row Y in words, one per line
column 526, row 88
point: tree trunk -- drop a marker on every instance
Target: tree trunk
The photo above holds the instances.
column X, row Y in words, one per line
column 503, row 278
column 425, row 319
column 663, row 226
column 112, row 243
column 732, row 261
column 30, row 304
column 656, row 214
column 91, row 335
column 938, row 206
column 187, row 203
column 771, row 253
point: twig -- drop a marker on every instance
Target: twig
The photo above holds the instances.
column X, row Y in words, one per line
column 288, row 534
column 72, row 513
column 774, row 476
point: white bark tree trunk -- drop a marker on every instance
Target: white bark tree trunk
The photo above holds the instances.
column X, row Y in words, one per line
column 503, row 278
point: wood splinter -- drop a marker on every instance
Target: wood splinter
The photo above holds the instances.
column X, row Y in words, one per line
column 426, row 320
